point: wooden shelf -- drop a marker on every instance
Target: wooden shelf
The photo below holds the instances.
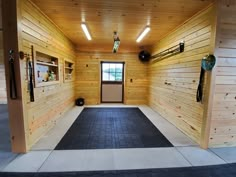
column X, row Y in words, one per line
column 46, row 64
column 68, row 70
column 41, row 84
column 46, row 69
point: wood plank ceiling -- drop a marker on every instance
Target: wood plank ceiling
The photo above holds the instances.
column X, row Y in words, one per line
column 127, row 17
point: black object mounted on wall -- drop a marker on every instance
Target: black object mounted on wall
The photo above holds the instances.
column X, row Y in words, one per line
column 29, row 71
column 144, row 56
column 170, row 52
column 13, row 89
column 207, row 64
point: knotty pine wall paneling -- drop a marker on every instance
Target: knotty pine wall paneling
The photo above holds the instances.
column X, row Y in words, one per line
column 223, row 120
column 53, row 100
column 174, row 80
column 88, row 77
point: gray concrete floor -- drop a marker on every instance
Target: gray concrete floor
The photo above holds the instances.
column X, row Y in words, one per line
column 43, row 157
column 5, row 144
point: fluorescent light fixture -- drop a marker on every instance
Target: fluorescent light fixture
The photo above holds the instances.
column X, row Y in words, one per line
column 86, row 32
column 145, row 31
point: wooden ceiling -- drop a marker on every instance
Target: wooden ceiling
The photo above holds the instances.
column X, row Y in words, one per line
column 127, row 17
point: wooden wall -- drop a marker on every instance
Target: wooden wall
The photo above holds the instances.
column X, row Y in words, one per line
column 88, row 77
column 174, row 80
column 3, row 94
column 223, row 121
column 50, row 101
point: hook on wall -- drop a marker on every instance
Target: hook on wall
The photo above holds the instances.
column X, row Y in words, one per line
column 22, row 55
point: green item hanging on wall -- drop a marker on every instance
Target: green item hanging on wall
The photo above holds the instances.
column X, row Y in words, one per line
column 208, row 62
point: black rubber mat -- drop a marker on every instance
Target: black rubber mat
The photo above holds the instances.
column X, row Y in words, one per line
column 228, row 170
column 108, row 128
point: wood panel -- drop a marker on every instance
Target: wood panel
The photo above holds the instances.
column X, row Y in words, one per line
column 35, row 29
column 174, row 80
column 15, row 105
column 88, row 77
column 3, row 94
column 223, row 124
column 128, row 18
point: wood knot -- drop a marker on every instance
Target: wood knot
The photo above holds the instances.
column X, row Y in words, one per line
column 192, row 127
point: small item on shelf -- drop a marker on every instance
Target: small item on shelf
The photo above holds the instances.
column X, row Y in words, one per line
column 39, row 78
column 53, row 61
column 51, row 76
column 45, row 77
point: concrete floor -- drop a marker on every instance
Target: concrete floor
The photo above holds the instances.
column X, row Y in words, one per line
column 5, row 144
column 185, row 153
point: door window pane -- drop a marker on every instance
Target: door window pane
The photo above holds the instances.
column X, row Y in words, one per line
column 112, row 71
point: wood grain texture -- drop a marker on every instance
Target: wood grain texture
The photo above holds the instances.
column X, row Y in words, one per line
column 209, row 86
column 88, row 77
column 3, row 94
column 15, row 106
column 128, row 18
column 51, row 101
column 174, row 80
column 223, row 124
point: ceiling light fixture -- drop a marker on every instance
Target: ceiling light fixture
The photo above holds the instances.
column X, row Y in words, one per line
column 116, row 42
column 86, row 32
column 145, row 31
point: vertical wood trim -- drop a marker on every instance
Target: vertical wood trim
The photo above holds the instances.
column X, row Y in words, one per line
column 100, row 83
column 210, row 86
column 0, row 15
column 124, row 83
column 15, row 107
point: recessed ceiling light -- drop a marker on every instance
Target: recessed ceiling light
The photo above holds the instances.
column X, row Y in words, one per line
column 145, row 31
column 86, row 32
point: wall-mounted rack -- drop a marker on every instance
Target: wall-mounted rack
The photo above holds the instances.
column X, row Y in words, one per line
column 169, row 52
